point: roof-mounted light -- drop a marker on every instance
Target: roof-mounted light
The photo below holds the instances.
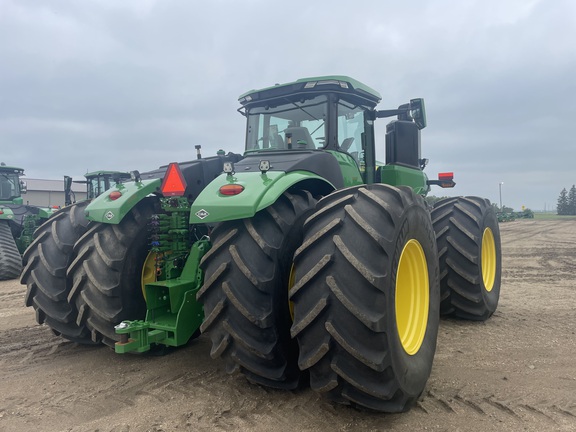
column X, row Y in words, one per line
column 174, row 183
column 342, row 84
column 310, row 84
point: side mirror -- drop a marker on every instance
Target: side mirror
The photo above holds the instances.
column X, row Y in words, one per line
column 418, row 112
column 23, row 187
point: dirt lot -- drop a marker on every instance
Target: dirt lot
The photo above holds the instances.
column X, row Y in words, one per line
column 517, row 371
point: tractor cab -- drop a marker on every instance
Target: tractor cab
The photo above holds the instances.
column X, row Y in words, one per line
column 336, row 114
column 11, row 187
column 100, row 181
column 328, row 113
column 96, row 182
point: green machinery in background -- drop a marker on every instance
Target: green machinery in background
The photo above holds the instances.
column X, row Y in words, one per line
column 17, row 221
column 97, row 182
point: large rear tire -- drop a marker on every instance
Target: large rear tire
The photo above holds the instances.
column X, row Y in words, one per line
column 45, row 263
column 10, row 259
column 470, row 257
column 245, row 291
column 366, row 297
column 107, row 271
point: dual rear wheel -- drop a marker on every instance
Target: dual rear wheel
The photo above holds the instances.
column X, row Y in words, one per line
column 346, row 291
column 365, row 286
column 83, row 277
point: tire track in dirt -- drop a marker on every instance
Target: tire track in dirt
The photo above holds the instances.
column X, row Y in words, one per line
column 520, row 411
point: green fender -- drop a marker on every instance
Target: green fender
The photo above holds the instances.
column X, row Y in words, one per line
column 396, row 175
column 260, row 191
column 6, row 213
column 103, row 209
column 17, row 201
column 43, row 213
column 46, row 212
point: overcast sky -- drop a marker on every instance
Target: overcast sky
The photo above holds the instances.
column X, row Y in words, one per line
column 135, row 84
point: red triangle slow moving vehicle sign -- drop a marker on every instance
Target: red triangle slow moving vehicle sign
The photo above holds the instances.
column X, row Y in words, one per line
column 174, row 183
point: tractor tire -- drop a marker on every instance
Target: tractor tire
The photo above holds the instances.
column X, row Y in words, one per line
column 366, row 297
column 45, row 263
column 245, row 291
column 10, row 259
column 470, row 255
column 106, row 273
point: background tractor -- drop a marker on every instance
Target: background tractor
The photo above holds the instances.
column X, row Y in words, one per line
column 17, row 221
column 96, row 182
column 305, row 260
column 73, row 258
column 47, row 258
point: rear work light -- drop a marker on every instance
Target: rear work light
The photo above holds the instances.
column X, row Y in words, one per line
column 114, row 195
column 174, row 183
column 231, row 189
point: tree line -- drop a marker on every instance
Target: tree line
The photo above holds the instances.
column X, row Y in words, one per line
column 567, row 202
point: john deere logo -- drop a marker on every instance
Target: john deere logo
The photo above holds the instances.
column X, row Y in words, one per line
column 109, row 215
column 202, row 213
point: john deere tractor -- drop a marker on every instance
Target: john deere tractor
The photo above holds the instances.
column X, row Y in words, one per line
column 74, row 257
column 304, row 260
column 17, row 221
column 48, row 256
column 96, row 182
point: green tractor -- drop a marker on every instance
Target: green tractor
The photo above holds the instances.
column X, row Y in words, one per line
column 304, row 260
column 17, row 221
column 96, row 182
column 70, row 252
column 48, row 256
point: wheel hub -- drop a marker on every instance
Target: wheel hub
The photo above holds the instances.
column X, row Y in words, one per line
column 412, row 297
column 488, row 259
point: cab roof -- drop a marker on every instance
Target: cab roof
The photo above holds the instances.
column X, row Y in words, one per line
column 322, row 84
column 11, row 169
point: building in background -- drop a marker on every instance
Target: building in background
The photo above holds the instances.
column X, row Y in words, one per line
column 47, row 193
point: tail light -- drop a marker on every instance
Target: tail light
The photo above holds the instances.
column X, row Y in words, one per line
column 231, row 189
column 447, row 176
column 114, row 195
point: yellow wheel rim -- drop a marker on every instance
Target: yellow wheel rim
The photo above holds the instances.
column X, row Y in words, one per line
column 148, row 272
column 412, row 297
column 488, row 259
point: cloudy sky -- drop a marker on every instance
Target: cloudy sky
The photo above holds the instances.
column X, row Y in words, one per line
column 135, row 84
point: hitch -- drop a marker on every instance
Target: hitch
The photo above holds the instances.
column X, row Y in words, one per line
column 173, row 314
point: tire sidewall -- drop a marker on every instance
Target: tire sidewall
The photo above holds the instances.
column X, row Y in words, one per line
column 413, row 371
column 490, row 220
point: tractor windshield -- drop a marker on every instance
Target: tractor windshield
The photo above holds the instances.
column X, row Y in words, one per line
column 290, row 125
column 350, row 129
column 96, row 186
column 9, row 186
